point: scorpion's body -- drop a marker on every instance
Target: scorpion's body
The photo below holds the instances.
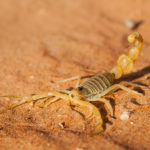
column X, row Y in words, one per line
column 95, row 88
column 96, row 85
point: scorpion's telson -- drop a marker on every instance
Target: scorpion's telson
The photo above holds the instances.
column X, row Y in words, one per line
column 126, row 62
column 95, row 88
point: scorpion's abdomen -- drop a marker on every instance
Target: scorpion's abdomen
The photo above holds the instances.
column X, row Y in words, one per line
column 96, row 84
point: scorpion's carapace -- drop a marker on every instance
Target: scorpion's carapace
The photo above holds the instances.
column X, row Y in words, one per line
column 95, row 88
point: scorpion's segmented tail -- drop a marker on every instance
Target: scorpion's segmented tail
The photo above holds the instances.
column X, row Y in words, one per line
column 126, row 62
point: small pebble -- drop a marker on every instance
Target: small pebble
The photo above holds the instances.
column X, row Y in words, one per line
column 130, row 24
column 78, row 148
column 125, row 115
column 131, row 122
column 62, row 125
column 41, row 134
column 31, row 77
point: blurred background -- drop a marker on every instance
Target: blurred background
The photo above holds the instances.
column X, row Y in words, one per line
column 43, row 41
column 47, row 36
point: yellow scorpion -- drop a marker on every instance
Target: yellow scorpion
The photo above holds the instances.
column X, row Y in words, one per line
column 95, row 88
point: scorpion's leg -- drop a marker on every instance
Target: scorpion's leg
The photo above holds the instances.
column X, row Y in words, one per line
column 78, row 78
column 30, row 98
column 116, row 87
column 78, row 82
column 133, row 84
column 64, row 91
column 107, row 103
column 44, row 103
column 69, row 79
column 51, row 101
column 26, row 99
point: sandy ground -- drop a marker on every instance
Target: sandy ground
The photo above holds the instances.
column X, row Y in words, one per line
column 43, row 41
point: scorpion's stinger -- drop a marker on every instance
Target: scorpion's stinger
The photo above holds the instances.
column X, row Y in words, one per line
column 125, row 63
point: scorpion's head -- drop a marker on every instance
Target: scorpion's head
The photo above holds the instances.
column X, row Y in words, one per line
column 75, row 94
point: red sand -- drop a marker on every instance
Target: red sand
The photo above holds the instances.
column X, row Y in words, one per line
column 43, row 41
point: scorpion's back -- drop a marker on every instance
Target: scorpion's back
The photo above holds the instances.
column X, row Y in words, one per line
column 96, row 84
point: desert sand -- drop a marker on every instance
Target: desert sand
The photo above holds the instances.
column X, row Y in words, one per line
column 44, row 41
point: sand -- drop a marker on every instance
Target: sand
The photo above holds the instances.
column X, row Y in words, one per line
column 44, row 41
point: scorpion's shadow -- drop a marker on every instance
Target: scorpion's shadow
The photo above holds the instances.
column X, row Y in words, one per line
column 136, row 75
column 129, row 77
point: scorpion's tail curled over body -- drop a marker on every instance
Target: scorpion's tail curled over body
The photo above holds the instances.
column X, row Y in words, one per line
column 126, row 62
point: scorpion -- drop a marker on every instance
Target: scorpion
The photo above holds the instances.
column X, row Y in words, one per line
column 95, row 88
